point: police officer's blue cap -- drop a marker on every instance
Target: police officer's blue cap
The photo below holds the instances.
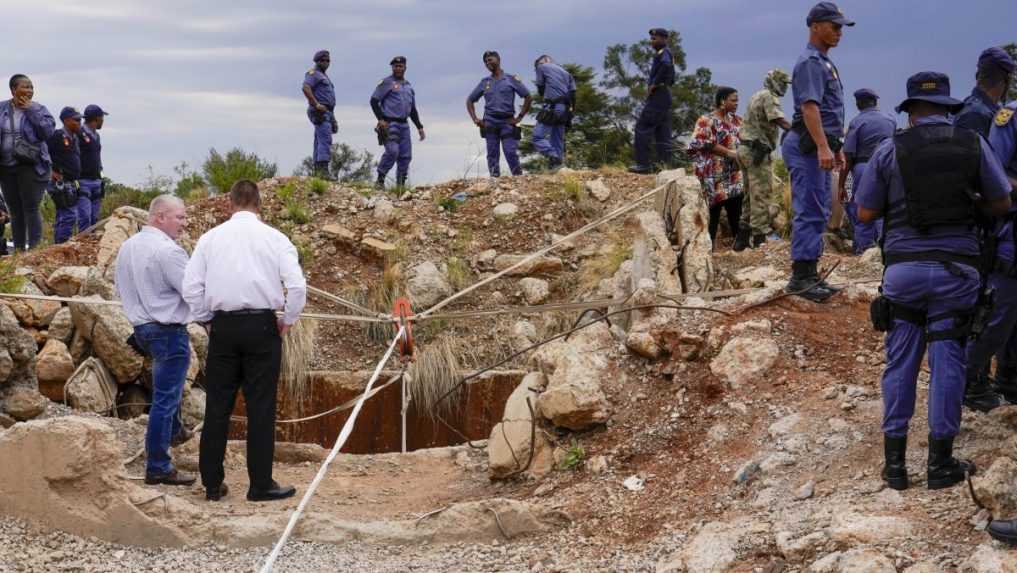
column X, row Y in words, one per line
column 69, row 112
column 932, row 87
column 827, row 12
column 321, row 54
column 398, row 60
column 92, row 110
column 865, row 93
column 491, row 53
column 997, row 57
column 660, row 32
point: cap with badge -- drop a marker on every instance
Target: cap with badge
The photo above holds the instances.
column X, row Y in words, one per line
column 398, row 60
column 996, row 57
column 932, row 87
column 827, row 12
column 69, row 113
column 92, row 110
column 660, row 32
column 865, row 93
column 321, row 55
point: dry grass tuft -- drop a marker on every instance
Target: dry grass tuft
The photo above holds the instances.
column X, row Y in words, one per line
column 297, row 350
column 607, row 262
column 435, row 371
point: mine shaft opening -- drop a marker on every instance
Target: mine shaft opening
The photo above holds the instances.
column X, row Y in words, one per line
column 378, row 429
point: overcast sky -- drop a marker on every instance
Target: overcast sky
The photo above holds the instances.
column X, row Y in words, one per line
column 181, row 76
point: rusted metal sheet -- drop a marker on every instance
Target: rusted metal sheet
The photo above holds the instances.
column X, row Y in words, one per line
column 378, row 430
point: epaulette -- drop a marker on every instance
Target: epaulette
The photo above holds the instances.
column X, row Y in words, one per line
column 311, row 71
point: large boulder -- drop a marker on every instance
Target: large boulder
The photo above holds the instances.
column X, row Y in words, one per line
column 192, row 406
column 427, row 285
column 514, row 441
column 122, row 224
column 744, row 358
column 574, row 367
column 61, row 327
column 106, row 327
column 714, row 549
column 53, row 367
column 24, row 403
column 997, row 488
column 96, row 283
column 598, row 189
column 858, row 560
column 91, row 388
column 67, row 281
column 199, row 342
column 535, row 291
column 33, row 313
column 686, row 215
column 989, row 558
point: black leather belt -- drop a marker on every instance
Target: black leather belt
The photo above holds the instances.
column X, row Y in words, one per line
column 244, row 312
column 395, row 119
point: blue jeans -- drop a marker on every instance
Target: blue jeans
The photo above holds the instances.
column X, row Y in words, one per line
column 810, row 200
column 929, row 286
column 170, row 349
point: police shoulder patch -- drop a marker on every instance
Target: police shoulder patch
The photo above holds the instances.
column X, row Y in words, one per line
column 516, row 78
column 311, row 71
column 1003, row 116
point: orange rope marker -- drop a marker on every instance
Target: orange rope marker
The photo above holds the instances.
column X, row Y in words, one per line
column 402, row 310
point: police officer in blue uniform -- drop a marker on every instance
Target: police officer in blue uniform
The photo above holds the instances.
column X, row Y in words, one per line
column 557, row 87
column 320, row 96
column 999, row 336
column 500, row 125
column 91, row 160
column 993, row 76
column 813, row 147
column 929, row 182
column 393, row 101
column 865, row 132
column 74, row 208
column 654, row 121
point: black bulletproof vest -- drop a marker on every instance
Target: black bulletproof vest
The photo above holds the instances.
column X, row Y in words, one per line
column 939, row 165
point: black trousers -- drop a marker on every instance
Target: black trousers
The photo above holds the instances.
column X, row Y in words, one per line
column 733, row 207
column 23, row 191
column 244, row 353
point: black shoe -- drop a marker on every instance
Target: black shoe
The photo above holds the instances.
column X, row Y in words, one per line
column 804, row 283
column 553, row 164
column 758, row 239
column 401, row 182
column 1003, row 530
column 271, row 494
column 741, row 240
column 978, row 394
column 944, row 469
column 640, row 169
column 895, row 471
column 172, row 478
column 379, row 183
column 216, row 493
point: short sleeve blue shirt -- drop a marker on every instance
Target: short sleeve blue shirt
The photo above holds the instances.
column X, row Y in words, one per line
column 499, row 94
column 556, row 81
column 396, row 97
column 977, row 112
column 662, row 68
column 866, row 131
column 816, row 79
column 882, row 185
column 321, row 86
column 1003, row 138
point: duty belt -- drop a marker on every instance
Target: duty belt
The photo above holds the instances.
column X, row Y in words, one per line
column 244, row 312
column 395, row 119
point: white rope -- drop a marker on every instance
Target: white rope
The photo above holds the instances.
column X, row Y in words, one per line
column 101, row 302
column 529, row 258
column 339, row 442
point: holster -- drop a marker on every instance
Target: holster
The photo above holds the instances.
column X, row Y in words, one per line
column 317, row 117
column 807, row 145
column 760, row 151
column 382, row 133
column 64, row 195
column 881, row 314
column 983, row 312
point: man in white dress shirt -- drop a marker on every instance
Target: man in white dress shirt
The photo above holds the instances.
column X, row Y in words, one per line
column 149, row 275
column 235, row 279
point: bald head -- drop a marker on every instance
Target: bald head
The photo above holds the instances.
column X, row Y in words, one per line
column 168, row 214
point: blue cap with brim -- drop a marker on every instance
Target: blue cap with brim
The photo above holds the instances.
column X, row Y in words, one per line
column 69, row 113
column 932, row 87
column 827, row 12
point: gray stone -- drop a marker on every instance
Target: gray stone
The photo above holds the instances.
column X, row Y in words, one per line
column 573, row 398
column 745, row 358
column 106, row 327
column 506, row 211
column 53, row 367
column 747, row 471
column 513, row 441
column 598, row 189
column 92, row 388
column 23, row 403
column 535, row 291
column 539, row 265
column 67, row 281
column 997, row 487
column 61, row 327
column 427, row 285
column 807, row 490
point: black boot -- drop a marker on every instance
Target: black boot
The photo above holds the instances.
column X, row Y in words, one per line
column 822, row 282
column 401, row 181
column 1005, row 383
column 803, row 282
column 741, row 239
column 944, row 469
column 978, row 393
column 757, row 240
column 379, row 183
column 895, row 471
column 321, row 170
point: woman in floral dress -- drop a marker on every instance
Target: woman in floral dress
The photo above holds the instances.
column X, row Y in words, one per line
column 713, row 148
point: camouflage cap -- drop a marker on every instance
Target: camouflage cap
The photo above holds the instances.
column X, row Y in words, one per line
column 777, row 81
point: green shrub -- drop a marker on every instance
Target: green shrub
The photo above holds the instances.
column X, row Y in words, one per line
column 319, row 186
column 297, row 213
column 222, row 171
column 459, row 272
column 286, row 191
column 574, row 457
column 10, row 282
